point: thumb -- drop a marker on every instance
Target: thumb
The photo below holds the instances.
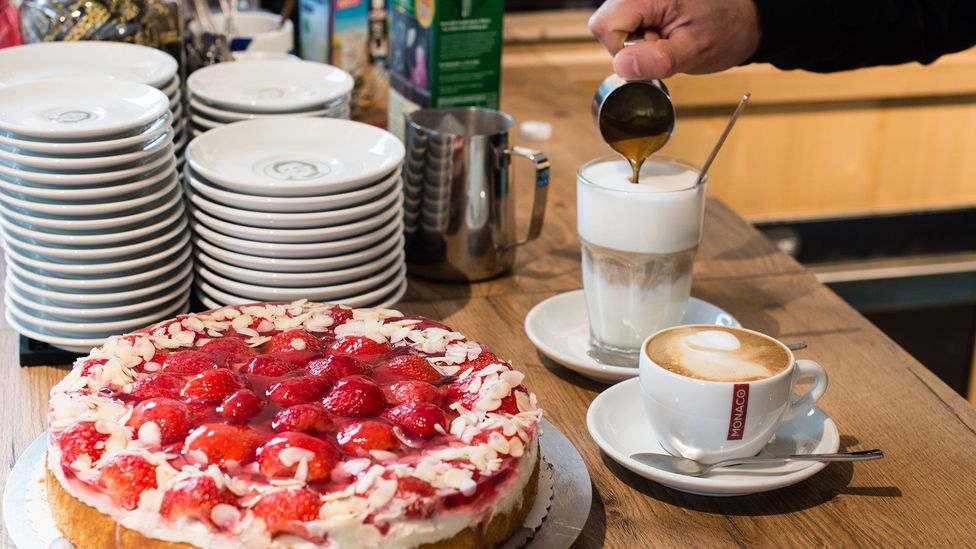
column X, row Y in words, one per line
column 655, row 59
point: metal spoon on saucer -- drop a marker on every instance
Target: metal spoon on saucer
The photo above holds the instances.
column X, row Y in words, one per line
column 690, row 467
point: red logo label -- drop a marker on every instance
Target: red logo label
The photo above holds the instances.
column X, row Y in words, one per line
column 740, row 407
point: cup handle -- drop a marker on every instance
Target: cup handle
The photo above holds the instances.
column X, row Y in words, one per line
column 801, row 404
column 541, row 162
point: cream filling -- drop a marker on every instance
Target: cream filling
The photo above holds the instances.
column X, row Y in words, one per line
column 348, row 531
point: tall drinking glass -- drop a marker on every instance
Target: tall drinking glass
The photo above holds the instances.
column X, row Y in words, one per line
column 638, row 247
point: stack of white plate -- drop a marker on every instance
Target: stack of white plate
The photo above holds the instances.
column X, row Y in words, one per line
column 266, row 88
column 141, row 64
column 91, row 210
column 293, row 208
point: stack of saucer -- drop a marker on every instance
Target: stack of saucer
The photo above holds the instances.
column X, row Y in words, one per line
column 140, row 64
column 266, row 88
column 91, row 210
column 292, row 208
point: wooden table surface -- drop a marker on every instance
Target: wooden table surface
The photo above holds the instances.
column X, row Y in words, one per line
column 922, row 493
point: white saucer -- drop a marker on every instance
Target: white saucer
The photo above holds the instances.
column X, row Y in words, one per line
column 215, row 114
column 32, row 62
column 559, row 328
column 91, row 148
column 107, row 163
column 95, row 108
column 294, row 156
column 272, row 85
column 618, row 424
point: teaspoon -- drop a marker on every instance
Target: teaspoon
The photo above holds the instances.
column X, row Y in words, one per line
column 690, row 467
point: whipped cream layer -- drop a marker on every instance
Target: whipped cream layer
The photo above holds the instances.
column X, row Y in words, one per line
column 660, row 214
column 364, row 509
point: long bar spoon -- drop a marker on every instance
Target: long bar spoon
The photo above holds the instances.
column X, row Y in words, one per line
column 690, row 467
column 721, row 138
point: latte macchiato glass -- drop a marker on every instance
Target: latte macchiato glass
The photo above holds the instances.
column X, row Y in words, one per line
column 717, row 392
column 638, row 247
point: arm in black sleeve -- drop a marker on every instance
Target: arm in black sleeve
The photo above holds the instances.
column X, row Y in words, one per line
column 834, row 35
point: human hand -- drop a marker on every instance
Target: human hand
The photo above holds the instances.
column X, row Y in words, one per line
column 690, row 36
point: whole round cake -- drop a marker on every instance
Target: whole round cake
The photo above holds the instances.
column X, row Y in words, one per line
column 292, row 425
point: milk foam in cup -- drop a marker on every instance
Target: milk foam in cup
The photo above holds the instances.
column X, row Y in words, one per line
column 718, row 392
column 638, row 246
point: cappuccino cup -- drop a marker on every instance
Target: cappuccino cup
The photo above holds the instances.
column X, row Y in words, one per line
column 715, row 392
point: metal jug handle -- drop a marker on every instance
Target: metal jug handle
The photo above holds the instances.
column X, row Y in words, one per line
column 541, row 162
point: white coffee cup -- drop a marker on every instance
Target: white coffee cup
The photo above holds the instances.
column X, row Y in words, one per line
column 709, row 420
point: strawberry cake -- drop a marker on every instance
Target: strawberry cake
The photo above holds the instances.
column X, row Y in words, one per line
column 292, row 425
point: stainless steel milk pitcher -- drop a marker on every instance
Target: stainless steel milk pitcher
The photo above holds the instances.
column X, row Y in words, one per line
column 459, row 204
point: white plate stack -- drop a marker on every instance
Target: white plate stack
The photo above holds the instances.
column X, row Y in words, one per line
column 251, row 89
column 91, row 211
column 292, row 208
column 140, row 64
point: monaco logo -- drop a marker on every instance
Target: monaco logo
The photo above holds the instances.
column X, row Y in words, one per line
column 740, row 407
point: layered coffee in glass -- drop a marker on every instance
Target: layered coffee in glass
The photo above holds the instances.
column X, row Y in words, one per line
column 638, row 246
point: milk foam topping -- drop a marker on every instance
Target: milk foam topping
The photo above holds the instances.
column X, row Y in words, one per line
column 660, row 214
column 717, row 354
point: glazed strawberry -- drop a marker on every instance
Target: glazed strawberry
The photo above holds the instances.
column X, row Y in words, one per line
column 297, row 390
column 355, row 396
column 221, row 443
column 360, row 437
column 336, row 367
column 211, row 387
column 232, row 351
column 294, row 340
column 188, row 362
column 482, row 361
column 340, row 316
column 127, row 476
column 411, row 390
column 418, row 419
column 419, row 495
column 194, row 497
column 307, row 418
column 359, row 347
column 413, row 367
column 157, row 385
column 268, row 366
column 88, row 365
column 283, row 454
column 241, row 405
column 81, row 440
column 279, row 508
column 172, row 418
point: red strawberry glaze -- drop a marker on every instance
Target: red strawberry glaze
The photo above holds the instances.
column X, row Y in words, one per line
column 330, row 398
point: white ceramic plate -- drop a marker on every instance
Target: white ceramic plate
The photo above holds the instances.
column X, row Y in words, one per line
column 95, row 108
column 206, row 123
column 85, row 194
column 295, row 251
column 49, row 288
column 95, row 270
column 318, row 293
column 392, row 212
column 156, row 161
column 560, row 329
column 82, row 255
column 32, row 62
column 103, row 239
column 90, row 148
column 291, row 204
column 200, row 108
column 85, row 313
column 166, row 187
column 172, row 88
column 388, row 293
column 291, row 221
column 88, row 329
column 298, row 280
column 70, row 344
column 618, row 424
column 269, row 85
column 294, row 156
column 315, row 264
column 49, row 163
column 98, row 224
